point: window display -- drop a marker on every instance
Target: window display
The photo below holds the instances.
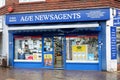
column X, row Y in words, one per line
column 47, row 45
column 82, row 48
column 28, row 48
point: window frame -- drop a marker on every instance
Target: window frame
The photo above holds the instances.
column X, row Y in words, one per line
column 29, row 1
column 24, row 38
column 83, row 61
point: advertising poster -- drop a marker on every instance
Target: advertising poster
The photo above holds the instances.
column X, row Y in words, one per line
column 48, row 60
column 79, row 48
column 113, row 43
column 79, row 52
column 91, row 56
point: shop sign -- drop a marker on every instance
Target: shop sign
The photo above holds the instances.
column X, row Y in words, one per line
column 113, row 43
column 116, row 20
column 59, row 16
column 118, row 12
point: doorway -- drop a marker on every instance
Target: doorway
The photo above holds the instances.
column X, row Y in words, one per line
column 53, row 52
column 118, row 47
column 58, row 51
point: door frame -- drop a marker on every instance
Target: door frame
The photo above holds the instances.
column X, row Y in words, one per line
column 52, row 52
column 62, row 52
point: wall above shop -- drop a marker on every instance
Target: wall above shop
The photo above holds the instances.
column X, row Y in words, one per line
column 56, row 5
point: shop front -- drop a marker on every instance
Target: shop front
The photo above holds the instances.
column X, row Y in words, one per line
column 37, row 49
column 117, row 37
column 70, row 39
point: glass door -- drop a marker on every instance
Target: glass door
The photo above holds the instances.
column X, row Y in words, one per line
column 58, row 52
column 48, row 52
column 53, row 52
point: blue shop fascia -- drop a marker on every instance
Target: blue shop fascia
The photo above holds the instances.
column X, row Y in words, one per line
column 65, row 39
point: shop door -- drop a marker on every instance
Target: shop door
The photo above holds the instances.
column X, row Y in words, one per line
column 53, row 52
column 58, row 52
column 48, row 52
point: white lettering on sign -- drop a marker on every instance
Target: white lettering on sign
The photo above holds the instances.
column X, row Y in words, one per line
column 41, row 17
column 95, row 14
column 26, row 18
column 117, row 21
column 57, row 16
column 118, row 12
column 12, row 19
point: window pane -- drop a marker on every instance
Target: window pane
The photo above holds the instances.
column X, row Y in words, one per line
column 29, row 0
column 48, row 44
column 82, row 48
column 2, row 3
column 28, row 48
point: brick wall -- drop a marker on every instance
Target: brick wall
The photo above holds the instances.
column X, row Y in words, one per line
column 11, row 2
column 54, row 0
column 56, row 5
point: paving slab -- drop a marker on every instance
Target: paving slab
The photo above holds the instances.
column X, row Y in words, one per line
column 46, row 74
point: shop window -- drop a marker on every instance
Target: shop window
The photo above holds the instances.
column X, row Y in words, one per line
column 82, row 48
column 22, row 1
column 28, row 48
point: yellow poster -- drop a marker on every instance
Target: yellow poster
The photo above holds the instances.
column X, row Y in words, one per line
column 35, row 56
column 79, row 48
column 79, row 52
column 48, row 59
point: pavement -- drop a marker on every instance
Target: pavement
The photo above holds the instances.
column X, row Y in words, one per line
column 45, row 74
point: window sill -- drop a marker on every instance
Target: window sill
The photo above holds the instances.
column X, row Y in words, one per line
column 75, row 61
column 27, row 60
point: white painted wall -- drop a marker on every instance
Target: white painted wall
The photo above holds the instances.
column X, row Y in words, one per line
column 1, row 29
column 111, row 64
column 0, row 43
column 5, row 40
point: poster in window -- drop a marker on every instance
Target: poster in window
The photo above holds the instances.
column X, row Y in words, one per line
column 79, row 52
column 91, row 56
column 48, row 60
